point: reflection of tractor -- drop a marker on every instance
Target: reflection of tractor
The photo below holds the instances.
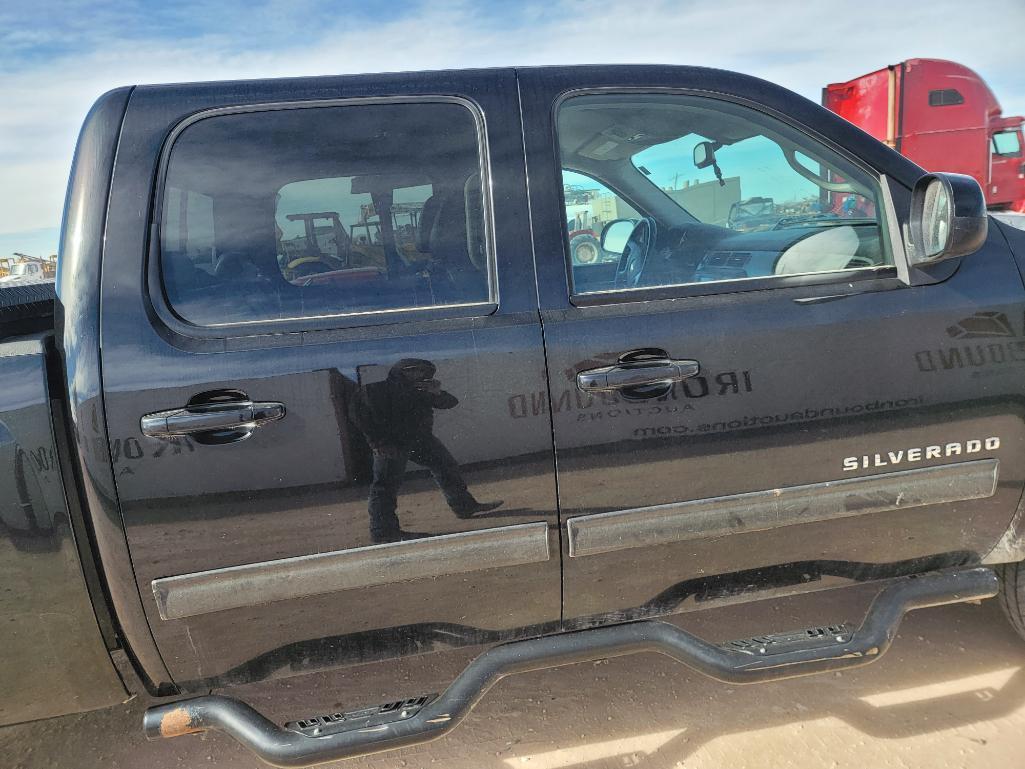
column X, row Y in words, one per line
column 320, row 249
column 366, row 234
column 753, row 214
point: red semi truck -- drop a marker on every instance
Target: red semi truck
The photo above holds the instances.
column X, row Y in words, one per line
column 943, row 116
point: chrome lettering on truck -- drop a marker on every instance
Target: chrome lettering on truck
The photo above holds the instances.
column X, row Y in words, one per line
column 919, row 453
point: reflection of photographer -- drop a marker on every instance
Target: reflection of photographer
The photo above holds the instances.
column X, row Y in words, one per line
column 397, row 418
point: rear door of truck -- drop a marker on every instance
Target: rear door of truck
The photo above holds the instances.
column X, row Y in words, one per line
column 324, row 386
column 836, row 416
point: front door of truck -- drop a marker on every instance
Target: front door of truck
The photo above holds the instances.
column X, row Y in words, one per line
column 315, row 454
column 761, row 396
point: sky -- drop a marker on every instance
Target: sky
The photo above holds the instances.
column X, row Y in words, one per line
column 57, row 56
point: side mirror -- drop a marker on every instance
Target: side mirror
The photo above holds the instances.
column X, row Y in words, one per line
column 615, row 234
column 704, row 154
column 948, row 218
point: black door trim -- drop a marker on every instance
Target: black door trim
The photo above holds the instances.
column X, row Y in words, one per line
column 774, row 508
column 284, row 579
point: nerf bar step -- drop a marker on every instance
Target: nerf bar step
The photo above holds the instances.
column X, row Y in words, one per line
column 746, row 661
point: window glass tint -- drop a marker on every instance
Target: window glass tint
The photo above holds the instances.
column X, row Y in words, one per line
column 1007, row 143
column 945, row 97
column 590, row 207
column 324, row 211
column 721, row 193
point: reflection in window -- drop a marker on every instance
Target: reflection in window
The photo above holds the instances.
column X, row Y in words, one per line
column 719, row 192
column 324, row 211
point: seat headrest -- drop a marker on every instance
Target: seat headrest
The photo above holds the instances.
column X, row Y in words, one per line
column 428, row 218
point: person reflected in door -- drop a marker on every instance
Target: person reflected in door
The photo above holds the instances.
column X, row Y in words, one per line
column 397, row 418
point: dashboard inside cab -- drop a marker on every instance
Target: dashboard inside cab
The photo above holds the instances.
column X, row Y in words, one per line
column 665, row 189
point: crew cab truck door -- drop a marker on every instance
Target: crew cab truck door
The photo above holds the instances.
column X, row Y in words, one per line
column 758, row 403
column 307, row 384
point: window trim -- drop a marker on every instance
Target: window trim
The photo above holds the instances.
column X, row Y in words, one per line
column 161, row 306
column 898, row 271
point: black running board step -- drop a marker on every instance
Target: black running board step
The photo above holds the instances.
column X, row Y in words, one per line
column 767, row 658
column 365, row 718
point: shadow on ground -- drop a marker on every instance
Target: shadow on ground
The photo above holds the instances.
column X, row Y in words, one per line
column 950, row 693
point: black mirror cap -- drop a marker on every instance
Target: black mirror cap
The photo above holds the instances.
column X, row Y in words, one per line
column 968, row 221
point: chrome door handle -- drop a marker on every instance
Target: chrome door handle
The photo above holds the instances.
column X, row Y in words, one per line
column 636, row 374
column 222, row 416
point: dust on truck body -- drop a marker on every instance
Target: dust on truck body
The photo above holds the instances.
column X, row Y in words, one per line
column 430, row 426
column 943, row 116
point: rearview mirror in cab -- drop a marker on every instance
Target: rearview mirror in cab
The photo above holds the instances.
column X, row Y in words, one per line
column 615, row 234
column 704, row 154
column 948, row 218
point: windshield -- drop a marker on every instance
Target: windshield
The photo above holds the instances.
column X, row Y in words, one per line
column 19, row 269
column 750, row 185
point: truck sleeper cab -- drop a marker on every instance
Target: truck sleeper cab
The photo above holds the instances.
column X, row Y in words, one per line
column 360, row 401
column 940, row 114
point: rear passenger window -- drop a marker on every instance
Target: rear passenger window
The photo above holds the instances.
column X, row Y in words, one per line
column 310, row 212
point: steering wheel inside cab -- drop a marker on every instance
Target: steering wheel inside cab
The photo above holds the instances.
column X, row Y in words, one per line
column 638, row 248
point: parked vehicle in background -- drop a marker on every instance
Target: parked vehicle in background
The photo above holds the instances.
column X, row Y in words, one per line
column 27, row 269
column 585, row 248
column 321, row 384
column 941, row 115
column 753, row 214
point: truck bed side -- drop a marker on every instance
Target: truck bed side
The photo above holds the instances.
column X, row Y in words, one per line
column 54, row 658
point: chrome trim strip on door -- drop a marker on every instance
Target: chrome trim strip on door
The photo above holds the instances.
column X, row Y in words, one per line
column 286, row 579
column 774, row 508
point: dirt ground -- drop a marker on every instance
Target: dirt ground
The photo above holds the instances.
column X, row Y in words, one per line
column 950, row 693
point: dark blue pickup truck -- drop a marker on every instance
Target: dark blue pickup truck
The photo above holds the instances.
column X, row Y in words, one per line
column 323, row 385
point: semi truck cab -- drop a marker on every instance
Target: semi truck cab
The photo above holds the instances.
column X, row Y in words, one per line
column 939, row 114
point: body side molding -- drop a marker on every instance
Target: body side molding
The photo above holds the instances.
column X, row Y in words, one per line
column 774, row 508
column 285, row 579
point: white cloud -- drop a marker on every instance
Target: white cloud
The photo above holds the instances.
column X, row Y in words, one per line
column 800, row 45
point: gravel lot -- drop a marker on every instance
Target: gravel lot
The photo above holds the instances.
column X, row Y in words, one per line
column 950, row 693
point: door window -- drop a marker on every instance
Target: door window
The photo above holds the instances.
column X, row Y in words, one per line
column 590, row 206
column 300, row 213
column 722, row 193
column 1007, row 144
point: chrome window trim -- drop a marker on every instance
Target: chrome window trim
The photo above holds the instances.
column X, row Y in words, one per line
column 154, row 272
column 858, row 273
column 894, row 237
column 357, row 314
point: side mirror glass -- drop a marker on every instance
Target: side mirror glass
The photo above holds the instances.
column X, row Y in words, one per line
column 948, row 218
column 615, row 234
